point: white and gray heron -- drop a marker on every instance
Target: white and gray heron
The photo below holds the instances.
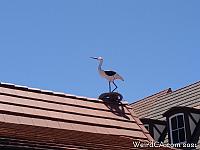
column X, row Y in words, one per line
column 110, row 75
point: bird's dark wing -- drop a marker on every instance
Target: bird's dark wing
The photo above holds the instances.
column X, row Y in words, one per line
column 110, row 73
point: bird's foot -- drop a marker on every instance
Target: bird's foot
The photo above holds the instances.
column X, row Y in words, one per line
column 113, row 90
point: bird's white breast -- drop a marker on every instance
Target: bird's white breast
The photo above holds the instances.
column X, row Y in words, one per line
column 109, row 78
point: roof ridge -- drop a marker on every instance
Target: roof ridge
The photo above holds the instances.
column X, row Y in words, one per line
column 49, row 92
column 168, row 90
column 133, row 116
column 187, row 86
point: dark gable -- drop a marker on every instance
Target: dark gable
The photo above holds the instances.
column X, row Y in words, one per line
column 157, row 126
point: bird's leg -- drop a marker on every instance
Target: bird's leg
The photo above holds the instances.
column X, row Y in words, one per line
column 109, row 87
column 115, row 86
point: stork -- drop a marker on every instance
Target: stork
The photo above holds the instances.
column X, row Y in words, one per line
column 110, row 75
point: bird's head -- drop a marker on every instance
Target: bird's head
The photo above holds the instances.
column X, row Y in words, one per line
column 97, row 58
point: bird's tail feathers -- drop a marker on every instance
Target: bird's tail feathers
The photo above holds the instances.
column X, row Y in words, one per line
column 117, row 76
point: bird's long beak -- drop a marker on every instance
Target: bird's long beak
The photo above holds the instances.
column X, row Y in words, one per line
column 94, row 57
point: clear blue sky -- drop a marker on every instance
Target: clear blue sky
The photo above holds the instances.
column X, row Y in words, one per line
column 47, row 44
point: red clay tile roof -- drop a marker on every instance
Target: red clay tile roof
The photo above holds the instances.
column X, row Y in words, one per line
column 62, row 119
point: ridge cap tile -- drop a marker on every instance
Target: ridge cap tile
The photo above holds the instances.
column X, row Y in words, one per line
column 55, row 93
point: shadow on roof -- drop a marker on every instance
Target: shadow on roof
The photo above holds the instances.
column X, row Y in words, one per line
column 113, row 102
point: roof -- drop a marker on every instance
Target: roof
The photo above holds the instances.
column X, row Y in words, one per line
column 154, row 107
column 148, row 102
column 154, row 96
column 36, row 115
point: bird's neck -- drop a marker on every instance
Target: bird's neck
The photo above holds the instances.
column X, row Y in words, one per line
column 100, row 64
